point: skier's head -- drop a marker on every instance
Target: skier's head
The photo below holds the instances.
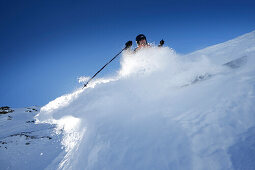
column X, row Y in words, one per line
column 141, row 39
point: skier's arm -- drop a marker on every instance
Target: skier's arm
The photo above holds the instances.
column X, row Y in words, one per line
column 161, row 43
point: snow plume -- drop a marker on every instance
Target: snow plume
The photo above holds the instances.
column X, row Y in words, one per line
column 163, row 65
column 83, row 79
column 146, row 117
column 147, row 61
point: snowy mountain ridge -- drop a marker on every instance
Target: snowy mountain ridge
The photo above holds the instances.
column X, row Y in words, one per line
column 145, row 117
column 231, row 47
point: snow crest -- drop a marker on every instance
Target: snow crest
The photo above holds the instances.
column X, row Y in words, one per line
column 145, row 117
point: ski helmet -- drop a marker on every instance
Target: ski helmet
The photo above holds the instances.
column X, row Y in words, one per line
column 140, row 37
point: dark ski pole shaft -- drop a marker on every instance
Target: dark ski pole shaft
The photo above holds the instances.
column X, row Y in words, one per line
column 105, row 65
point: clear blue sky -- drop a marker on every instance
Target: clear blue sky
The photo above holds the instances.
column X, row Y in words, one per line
column 46, row 45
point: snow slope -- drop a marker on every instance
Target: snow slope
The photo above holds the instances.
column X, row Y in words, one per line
column 224, row 52
column 151, row 116
column 24, row 144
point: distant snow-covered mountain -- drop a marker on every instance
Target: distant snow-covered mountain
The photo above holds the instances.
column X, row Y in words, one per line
column 24, row 144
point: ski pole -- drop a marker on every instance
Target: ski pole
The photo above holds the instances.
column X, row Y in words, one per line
column 128, row 44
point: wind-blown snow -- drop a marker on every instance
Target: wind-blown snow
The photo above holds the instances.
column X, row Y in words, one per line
column 151, row 116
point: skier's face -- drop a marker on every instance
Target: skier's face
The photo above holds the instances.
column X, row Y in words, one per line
column 142, row 42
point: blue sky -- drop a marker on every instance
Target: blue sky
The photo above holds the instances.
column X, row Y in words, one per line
column 46, row 45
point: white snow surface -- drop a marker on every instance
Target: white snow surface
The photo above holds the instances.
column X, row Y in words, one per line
column 26, row 145
column 153, row 114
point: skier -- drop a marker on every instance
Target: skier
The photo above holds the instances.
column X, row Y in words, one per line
column 141, row 42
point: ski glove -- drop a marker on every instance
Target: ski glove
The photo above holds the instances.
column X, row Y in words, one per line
column 128, row 44
column 161, row 43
